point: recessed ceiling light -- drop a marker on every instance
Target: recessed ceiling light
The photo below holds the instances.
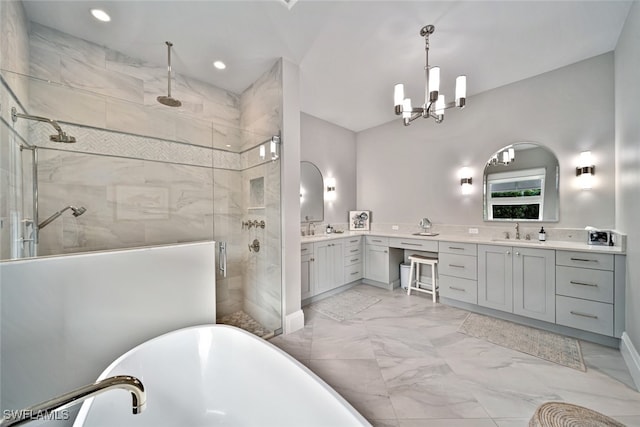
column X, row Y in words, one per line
column 219, row 65
column 100, row 15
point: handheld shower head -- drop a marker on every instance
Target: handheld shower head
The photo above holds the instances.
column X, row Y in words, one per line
column 76, row 212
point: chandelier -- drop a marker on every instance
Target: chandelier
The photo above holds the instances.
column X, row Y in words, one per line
column 434, row 103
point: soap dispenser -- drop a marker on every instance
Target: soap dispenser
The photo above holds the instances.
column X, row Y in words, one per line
column 542, row 235
column 329, row 229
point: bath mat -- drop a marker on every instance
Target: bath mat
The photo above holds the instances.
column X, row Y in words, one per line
column 344, row 305
column 545, row 345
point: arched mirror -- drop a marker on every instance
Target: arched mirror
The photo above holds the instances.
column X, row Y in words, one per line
column 521, row 184
column 311, row 193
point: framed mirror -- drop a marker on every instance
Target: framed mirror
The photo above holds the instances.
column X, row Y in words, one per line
column 521, row 183
column 311, row 193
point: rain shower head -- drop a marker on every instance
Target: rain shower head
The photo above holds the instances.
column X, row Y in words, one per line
column 60, row 137
column 168, row 100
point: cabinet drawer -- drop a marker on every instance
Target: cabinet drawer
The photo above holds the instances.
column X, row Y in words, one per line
column 463, row 266
column 586, row 315
column 350, row 251
column 414, row 244
column 352, row 241
column 353, row 272
column 595, row 285
column 353, row 259
column 306, row 248
column 585, row 260
column 459, row 289
column 458, row 248
column 375, row 240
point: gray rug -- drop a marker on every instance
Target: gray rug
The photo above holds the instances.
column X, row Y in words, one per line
column 344, row 305
column 555, row 348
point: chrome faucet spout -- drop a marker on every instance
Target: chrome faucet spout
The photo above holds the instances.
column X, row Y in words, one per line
column 126, row 382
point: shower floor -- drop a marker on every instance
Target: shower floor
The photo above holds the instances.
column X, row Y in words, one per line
column 242, row 320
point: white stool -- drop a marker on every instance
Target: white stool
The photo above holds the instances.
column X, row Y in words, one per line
column 417, row 260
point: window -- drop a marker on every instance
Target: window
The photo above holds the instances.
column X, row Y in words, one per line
column 516, row 194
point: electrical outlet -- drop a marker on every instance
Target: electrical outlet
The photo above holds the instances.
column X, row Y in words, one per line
column 473, row 231
column 395, row 227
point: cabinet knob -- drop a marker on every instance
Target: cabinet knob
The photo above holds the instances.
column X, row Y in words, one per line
column 386, row 252
column 518, row 253
column 508, row 252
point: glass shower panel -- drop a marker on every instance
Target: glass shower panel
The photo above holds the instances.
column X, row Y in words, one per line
column 247, row 217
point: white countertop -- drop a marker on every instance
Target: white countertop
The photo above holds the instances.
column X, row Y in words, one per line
column 459, row 238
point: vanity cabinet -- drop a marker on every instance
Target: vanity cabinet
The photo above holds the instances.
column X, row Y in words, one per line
column 353, row 259
column 328, row 265
column 517, row 280
column 307, row 280
column 381, row 263
column 457, row 274
column 586, row 293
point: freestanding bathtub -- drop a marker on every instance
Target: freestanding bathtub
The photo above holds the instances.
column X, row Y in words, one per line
column 217, row 375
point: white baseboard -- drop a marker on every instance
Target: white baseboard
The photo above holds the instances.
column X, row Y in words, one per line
column 293, row 322
column 631, row 358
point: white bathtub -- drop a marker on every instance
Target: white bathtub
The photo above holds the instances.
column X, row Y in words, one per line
column 216, row 375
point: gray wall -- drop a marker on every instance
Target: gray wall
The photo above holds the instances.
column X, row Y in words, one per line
column 627, row 64
column 405, row 173
column 333, row 150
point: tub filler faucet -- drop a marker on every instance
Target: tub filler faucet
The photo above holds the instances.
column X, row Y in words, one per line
column 41, row 410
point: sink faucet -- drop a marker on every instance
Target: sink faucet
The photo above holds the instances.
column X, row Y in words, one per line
column 126, row 382
column 517, row 231
column 310, row 224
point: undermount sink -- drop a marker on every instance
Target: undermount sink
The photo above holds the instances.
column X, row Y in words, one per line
column 425, row 233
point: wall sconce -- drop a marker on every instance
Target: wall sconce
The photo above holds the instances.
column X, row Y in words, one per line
column 586, row 170
column 465, row 180
column 331, row 189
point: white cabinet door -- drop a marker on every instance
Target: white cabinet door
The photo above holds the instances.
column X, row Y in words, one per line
column 534, row 283
column 306, row 282
column 377, row 263
column 328, row 265
column 495, row 277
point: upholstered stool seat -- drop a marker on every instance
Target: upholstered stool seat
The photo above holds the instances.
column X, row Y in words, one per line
column 417, row 285
column 560, row 414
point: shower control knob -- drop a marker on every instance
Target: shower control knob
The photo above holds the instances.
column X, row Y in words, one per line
column 254, row 246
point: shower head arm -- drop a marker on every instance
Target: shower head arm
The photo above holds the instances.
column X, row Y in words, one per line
column 15, row 115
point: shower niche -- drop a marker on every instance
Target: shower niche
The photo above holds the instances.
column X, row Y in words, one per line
column 256, row 193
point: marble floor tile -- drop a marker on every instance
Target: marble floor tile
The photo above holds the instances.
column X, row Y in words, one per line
column 402, row 363
column 360, row 383
column 455, row 422
column 428, row 388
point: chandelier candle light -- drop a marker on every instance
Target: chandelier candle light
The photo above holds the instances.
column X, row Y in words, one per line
column 434, row 102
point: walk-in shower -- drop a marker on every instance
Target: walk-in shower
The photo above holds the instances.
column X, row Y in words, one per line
column 60, row 137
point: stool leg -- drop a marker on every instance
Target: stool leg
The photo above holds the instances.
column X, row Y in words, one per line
column 410, row 278
column 418, row 265
column 433, row 281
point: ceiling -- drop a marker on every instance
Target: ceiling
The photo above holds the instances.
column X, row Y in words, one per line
column 350, row 53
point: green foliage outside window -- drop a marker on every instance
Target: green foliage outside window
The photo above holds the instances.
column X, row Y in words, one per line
column 517, row 193
column 516, row 211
